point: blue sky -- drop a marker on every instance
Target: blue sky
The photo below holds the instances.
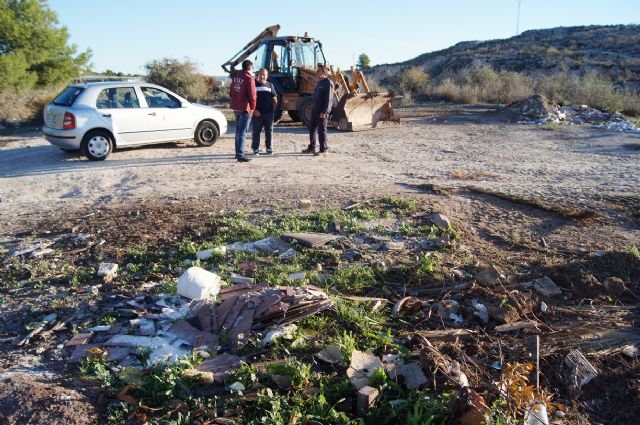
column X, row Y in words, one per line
column 125, row 34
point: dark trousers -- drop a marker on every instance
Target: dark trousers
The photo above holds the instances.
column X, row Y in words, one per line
column 266, row 121
column 318, row 126
column 243, row 119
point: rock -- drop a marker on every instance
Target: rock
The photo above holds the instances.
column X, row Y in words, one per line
column 587, row 287
column 392, row 246
column 304, row 204
column 197, row 283
column 286, row 331
column 489, row 276
column 237, row 386
column 107, row 269
column 545, row 287
column 367, row 397
column 439, row 220
column 362, row 367
column 297, row 276
column 412, row 375
column 443, row 242
column 615, row 286
column 79, row 339
column 241, row 280
column 331, row 354
column 208, row 253
column 448, row 311
column 459, row 376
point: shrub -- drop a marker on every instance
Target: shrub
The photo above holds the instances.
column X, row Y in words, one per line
column 180, row 77
column 26, row 106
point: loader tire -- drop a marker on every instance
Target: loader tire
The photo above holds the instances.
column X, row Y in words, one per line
column 305, row 110
column 294, row 115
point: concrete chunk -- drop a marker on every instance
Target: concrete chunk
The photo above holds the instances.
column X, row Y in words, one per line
column 107, row 269
column 367, row 397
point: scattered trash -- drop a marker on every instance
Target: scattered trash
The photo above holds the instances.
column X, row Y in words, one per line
column 536, row 415
column 286, row 332
column 579, row 371
column 411, row 375
column 631, row 350
column 237, row 386
column 208, row 253
column 197, row 283
column 457, row 375
column 481, row 311
column 407, row 304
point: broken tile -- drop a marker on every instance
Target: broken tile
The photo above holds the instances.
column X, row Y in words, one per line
column 79, row 339
column 184, row 331
column 275, row 246
column 147, row 327
column 220, row 365
column 113, row 353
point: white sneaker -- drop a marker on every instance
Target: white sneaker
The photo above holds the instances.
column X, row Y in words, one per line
column 256, row 153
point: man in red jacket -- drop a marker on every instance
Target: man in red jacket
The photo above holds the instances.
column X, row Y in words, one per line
column 243, row 101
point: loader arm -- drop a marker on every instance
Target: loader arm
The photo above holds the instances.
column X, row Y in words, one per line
column 252, row 46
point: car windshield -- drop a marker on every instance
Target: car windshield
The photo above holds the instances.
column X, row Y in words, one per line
column 68, row 96
column 306, row 54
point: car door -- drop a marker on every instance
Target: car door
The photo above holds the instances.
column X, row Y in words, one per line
column 169, row 119
column 119, row 108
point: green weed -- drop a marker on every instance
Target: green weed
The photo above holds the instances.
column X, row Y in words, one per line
column 402, row 204
column 352, row 280
column 634, row 252
column 299, row 373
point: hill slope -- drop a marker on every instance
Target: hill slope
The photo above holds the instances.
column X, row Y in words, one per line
column 612, row 51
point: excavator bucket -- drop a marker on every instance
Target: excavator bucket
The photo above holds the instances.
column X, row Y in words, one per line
column 363, row 111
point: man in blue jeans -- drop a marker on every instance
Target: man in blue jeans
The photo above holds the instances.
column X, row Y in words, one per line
column 243, row 101
column 322, row 102
column 263, row 114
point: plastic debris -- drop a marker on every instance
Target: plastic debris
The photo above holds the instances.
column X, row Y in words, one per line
column 197, row 283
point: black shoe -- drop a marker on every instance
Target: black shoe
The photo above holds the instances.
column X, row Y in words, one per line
column 269, row 153
column 309, row 150
column 243, row 159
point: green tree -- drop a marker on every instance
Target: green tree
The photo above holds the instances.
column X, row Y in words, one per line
column 34, row 51
column 363, row 61
column 180, row 77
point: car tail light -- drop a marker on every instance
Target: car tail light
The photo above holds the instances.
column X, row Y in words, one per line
column 69, row 122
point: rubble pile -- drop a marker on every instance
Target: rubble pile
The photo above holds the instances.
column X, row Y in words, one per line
column 539, row 110
column 171, row 327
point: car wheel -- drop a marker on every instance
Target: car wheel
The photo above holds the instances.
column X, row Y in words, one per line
column 97, row 145
column 206, row 133
column 293, row 115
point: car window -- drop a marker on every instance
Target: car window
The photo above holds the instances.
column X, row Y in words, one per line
column 68, row 96
column 159, row 99
column 117, row 97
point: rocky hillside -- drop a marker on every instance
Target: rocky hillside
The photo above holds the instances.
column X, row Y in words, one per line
column 613, row 51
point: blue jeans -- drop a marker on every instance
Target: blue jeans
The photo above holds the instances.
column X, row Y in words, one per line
column 318, row 127
column 243, row 119
column 266, row 121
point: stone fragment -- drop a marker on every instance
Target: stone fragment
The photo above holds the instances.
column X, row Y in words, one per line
column 545, row 287
column 304, row 204
column 309, row 239
column 331, row 354
column 367, row 397
column 107, row 270
column 489, row 276
column 362, row 367
column 439, row 220
column 147, row 327
column 411, row 373
column 236, row 279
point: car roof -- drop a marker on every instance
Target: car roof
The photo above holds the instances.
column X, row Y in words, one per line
column 108, row 83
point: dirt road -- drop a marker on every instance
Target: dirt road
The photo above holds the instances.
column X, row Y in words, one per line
column 576, row 165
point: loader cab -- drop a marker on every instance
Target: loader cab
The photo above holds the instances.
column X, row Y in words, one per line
column 284, row 57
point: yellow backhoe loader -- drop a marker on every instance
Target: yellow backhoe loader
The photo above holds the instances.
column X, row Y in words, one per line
column 291, row 62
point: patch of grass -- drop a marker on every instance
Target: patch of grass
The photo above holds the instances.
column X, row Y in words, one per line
column 81, row 275
column 551, row 126
column 634, row 252
column 347, row 344
column 429, row 231
column 352, row 280
column 298, row 373
column 401, row 204
column 247, row 375
column 425, row 265
column 165, row 381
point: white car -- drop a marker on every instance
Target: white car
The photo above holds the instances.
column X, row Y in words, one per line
column 98, row 117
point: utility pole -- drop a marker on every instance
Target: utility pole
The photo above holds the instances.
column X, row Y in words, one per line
column 518, row 19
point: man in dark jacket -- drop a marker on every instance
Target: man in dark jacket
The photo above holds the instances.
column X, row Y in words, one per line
column 263, row 115
column 243, row 101
column 322, row 102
